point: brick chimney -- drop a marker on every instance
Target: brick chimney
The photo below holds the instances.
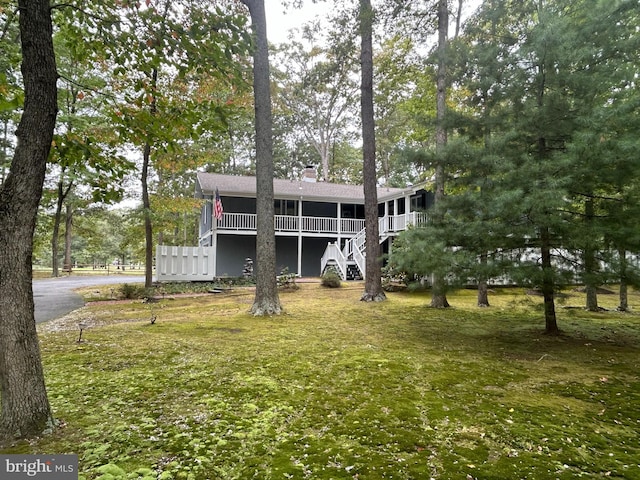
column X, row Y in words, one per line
column 309, row 174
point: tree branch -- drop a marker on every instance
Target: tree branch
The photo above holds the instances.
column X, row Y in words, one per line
column 595, row 196
column 10, row 18
column 86, row 87
column 60, row 6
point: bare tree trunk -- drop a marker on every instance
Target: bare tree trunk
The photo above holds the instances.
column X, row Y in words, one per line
column 148, row 226
column 324, row 158
column 458, row 18
column 373, row 278
column 63, row 193
column 68, row 225
column 624, row 295
column 146, row 201
column 55, row 240
column 590, row 263
column 548, row 281
column 483, row 289
column 25, row 406
column 548, row 284
column 438, row 291
column 267, row 301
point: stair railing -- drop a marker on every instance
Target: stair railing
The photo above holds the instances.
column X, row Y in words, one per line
column 332, row 252
column 355, row 248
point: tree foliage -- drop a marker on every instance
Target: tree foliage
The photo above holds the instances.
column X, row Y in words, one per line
column 316, row 88
column 162, row 54
column 538, row 155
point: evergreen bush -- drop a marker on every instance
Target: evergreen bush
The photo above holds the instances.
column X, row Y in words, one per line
column 331, row 279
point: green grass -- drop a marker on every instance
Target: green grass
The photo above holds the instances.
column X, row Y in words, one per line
column 340, row 389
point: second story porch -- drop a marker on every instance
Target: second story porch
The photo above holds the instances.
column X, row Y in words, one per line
column 245, row 223
column 303, row 209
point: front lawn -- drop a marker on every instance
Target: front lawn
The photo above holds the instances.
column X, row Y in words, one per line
column 341, row 389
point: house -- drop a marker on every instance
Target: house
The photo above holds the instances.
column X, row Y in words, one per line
column 317, row 224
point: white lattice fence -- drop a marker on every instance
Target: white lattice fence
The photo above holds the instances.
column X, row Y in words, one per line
column 184, row 264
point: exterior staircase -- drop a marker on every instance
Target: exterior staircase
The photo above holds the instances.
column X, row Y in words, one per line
column 349, row 262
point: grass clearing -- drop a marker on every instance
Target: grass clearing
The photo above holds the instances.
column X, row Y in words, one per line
column 341, row 389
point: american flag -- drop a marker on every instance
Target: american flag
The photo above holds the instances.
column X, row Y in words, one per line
column 217, row 206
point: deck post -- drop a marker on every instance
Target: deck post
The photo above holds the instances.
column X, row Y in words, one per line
column 214, row 244
column 339, row 223
column 300, row 237
column 299, row 254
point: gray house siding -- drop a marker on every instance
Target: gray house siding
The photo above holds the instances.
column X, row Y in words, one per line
column 231, row 254
column 312, row 250
column 233, row 250
column 287, row 254
column 206, row 221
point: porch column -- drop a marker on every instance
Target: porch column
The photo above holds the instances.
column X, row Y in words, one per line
column 339, row 224
column 386, row 221
column 214, row 244
column 300, row 237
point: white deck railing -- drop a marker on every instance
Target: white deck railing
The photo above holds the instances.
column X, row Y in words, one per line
column 291, row 223
column 398, row 223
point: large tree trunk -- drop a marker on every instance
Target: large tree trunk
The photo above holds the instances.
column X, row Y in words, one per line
column 373, row 278
column 483, row 288
column 438, row 291
column 25, row 406
column 548, row 284
column 267, row 301
column 5, row 146
column 548, row 281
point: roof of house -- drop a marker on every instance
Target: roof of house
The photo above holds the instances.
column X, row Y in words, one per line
column 232, row 185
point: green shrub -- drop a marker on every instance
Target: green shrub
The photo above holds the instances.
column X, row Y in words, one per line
column 331, row 279
column 131, row 291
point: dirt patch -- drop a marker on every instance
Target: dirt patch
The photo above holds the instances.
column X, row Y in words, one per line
column 173, row 296
column 599, row 291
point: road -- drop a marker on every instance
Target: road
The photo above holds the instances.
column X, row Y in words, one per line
column 54, row 297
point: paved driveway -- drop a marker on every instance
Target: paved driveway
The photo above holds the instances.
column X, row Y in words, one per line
column 54, row 297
